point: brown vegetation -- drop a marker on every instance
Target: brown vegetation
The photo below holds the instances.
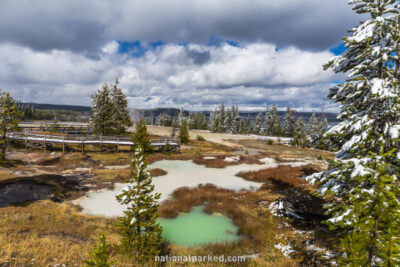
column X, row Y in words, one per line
column 157, row 172
column 283, row 175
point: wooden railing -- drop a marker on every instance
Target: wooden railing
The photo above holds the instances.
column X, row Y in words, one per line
column 44, row 139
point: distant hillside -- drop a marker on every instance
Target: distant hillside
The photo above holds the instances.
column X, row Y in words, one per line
column 81, row 109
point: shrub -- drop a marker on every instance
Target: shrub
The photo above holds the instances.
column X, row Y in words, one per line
column 100, row 255
column 200, row 138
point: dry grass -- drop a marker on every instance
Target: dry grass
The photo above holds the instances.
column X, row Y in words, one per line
column 282, row 176
column 111, row 158
column 46, row 233
column 105, row 178
column 157, row 172
column 5, row 175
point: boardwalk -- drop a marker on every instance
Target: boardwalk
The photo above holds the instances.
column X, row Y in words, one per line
column 45, row 140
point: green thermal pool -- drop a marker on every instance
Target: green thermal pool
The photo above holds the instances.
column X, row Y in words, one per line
column 198, row 228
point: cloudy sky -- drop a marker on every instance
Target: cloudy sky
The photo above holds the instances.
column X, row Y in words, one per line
column 173, row 53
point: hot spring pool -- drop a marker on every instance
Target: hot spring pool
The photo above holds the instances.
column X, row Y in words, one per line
column 198, row 228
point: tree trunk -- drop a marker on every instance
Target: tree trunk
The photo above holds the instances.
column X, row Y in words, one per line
column 3, row 148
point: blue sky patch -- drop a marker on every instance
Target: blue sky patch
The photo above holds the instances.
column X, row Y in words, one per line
column 338, row 50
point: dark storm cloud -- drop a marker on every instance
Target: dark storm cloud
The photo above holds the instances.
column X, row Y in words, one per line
column 87, row 25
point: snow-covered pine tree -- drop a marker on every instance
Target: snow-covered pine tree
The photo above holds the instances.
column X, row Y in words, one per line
column 313, row 130
column 139, row 230
column 258, row 125
column 101, row 120
column 228, row 121
column 322, row 127
column 164, row 120
column 270, row 122
column 203, row 122
column 236, row 119
column 290, row 122
column 213, row 121
column 300, row 136
column 276, row 122
column 249, row 125
column 364, row 176
column 9, row 118
column 121, row 118
column 266, row 122
column 181, row 116
column 221, row 118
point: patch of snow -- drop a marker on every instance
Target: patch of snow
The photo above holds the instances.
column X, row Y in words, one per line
column 232, row 159
column 133, row 220
column 209, row 158
column 285, row 249
column 394, row 132
column 118, row 167
column 362, row 32
column 275, row 208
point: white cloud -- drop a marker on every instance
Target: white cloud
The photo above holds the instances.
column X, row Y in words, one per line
column 87, row 25
column 194, row 76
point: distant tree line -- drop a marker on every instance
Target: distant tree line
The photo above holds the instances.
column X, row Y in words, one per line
column 228, row 120
column 30, row 112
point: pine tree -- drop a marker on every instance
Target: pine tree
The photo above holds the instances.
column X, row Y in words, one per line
column 203, row 122
column 363, row 177
column 141, row 138
column 139, row 230
column 313, row 130
column 290, row 123
column 236, row 120
column 249, row 125
column 164, row 120
column 191, row 121
column 228, row 123
column 121, row 118
column 181, row 116
column 221, row 118
column 213, row 121
column 100, row 255
column 270, row 122
column 101, row 120
column 300, row 137
column 266, row 122
column 242, row 128
column 322, row 127
column 183, row 132
column 9, row 118
column 275, row 122
column 258, row 125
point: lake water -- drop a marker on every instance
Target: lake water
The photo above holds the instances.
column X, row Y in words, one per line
column 198, row 228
